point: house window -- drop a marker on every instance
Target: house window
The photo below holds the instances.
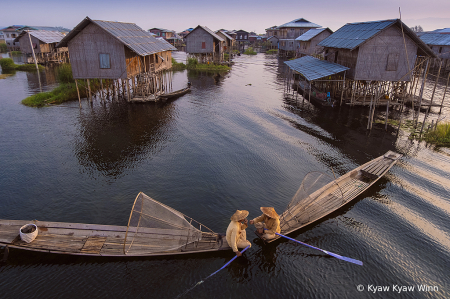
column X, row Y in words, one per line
column 13, row 35
column 440, row 49
column 245, row 36
column 392, row 62
column 203, row 45
column 240, row 37
column 105, row 62
column 336, row 57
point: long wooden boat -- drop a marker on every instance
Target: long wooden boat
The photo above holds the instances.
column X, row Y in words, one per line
column 311, row 204
column 165, row 232
column 175, row 94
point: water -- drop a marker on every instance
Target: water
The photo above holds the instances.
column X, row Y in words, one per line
column 227, row 145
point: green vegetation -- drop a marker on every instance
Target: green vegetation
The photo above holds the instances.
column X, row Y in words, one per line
column 16, row 52
column 8, row 64
column 177, row 66
column 226, row 56
column 193, row 64
column 3, row 48
column 236, row 52
column 3, row 76
column 250, row 51
column 440, row 136
column 66, row 91
column 272, row 51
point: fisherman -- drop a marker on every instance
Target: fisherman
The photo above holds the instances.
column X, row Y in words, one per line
column 268, row 223
column 236, row 235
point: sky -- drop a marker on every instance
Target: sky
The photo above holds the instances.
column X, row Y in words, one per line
column 254, row 16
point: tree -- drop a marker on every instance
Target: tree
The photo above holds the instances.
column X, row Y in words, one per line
column 417, row 28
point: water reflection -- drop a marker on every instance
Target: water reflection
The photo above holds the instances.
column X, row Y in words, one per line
column 117, row 136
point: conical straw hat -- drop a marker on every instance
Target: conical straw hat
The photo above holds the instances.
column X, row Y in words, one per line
column 239, row 215
column 270, row 211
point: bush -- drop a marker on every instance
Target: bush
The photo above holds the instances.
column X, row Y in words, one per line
column 7, row 64
column 192, row 62
column 272, row 51
column 440, row 136
column 64, row 73
column 3, row 48
column 250, row 51
column 177, row 65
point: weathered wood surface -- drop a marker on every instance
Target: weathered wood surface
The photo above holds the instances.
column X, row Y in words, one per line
column 104, row 240
column 336, row 194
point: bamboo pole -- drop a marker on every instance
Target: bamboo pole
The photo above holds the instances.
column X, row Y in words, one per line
column 445, row 91
column 101, row 90
column 78, row 92
column 432, row 97
column 343, row 87
column 422, row 90
column 89, row 89
column 35, row 61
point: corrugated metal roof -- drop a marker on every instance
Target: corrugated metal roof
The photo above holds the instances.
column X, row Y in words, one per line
column 44, row 36
column 444, row 30
column 47, row 28
column 300, row 23
column 209, row 31
column 308, row 35
column 131, row 35
column 436, row 39
column 353, row 35
column 226, row 35
column 312, row 68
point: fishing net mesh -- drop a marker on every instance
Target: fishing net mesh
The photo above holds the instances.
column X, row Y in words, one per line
column 154, row 227
column 310, row 199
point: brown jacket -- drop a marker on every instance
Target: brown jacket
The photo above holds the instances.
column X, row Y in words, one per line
column 272, row 224
column 234, row 233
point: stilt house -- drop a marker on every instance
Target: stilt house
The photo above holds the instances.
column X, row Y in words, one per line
column 307, row 43
column 288, row 32
column 44, row 44
column 440, row 44
column 229, row 41
column 205, row 45
column 118, row 51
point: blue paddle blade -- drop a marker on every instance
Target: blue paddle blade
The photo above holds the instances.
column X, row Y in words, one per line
column 347, row 259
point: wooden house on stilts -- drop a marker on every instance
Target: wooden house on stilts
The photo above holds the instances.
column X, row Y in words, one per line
column 205, row 45
column 43, row 44
column 126, row 59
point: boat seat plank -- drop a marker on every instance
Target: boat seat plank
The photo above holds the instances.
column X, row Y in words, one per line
column 93, row 245
column 56, row 243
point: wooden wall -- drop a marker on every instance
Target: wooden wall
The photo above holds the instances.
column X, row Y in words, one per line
column 386, row 47
column 84, row 50
column 25, row 46
column 345, row 57
column 195, row 39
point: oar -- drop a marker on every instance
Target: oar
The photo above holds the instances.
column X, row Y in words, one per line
column 347, row 259
column 202, row 281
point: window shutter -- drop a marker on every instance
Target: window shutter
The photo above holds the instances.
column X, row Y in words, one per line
column 392, row 62
column 104, row 61
column 203, row 45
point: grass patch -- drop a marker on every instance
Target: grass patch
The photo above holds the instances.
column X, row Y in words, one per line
column 272, row 51
column 193, row 64
column 226, row 56
column 8, row 64
column 16, row 53
column 3, row 76
column 63, row 93
column 3, row 48
column 236, row 52
column 250, row 51
column 64, row 73
column 177, row 66
column 440, row 136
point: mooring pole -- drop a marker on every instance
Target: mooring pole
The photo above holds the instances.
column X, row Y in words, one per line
column 35, row 61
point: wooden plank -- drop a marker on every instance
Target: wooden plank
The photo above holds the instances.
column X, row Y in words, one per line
column 93, row 245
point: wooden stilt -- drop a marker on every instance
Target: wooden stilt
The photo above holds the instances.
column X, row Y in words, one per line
column 89, row 90
column 78, row 92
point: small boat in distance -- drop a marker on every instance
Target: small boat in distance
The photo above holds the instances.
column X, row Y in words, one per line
column 319, row 195
column 153, row 229
column 161, row 95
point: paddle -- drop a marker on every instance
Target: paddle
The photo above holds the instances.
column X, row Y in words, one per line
column 202, row 281
column 347, row 259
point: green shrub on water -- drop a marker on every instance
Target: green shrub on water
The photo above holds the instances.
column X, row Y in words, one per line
column 250, row 51
column 192, row 62
column 29, row 67
column 3, row 48
column 7, row 64
column 16, row 52
column 64, row 73
column 177, row 65
column 272, row 51
column 440, row 136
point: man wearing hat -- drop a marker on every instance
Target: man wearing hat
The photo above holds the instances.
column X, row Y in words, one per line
column 271, row 222
column 236, row 235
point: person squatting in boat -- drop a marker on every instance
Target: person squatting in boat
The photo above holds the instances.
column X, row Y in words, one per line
column 236, row 235
column 268, row 223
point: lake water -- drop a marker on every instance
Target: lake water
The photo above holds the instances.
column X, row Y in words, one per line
column 232, row 143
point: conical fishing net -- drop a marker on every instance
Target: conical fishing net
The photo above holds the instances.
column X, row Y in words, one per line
column 154, row 227
column 311, row 199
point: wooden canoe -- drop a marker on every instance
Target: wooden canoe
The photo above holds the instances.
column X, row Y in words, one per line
column 335, row 195
column 97, row 240
column 175, row 94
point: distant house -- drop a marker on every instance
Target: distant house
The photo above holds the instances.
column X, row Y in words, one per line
column 204, row 44
column 375, row 50
column 164, row 33
column 273, row 41
column 288, row 32
column 10, row 33
column 44, row 46
column 241, row 36
column 307, row 43
column 229, row 41
column 115, row 50
column 272, row 31
column 439, row 42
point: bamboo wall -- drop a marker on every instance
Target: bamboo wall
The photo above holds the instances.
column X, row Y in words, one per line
column 85, row 48
column 345, row 57
column 195, row 39
column 374, row 54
